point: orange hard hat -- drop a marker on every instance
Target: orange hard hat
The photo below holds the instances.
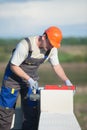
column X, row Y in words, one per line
column 54, row 35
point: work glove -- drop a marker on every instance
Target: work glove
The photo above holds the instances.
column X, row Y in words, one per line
column 33, row 84
column 68, row 82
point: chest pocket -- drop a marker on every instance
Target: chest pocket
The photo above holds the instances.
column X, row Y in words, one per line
column 34, row 61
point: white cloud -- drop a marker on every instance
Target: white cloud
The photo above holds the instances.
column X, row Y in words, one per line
column 23, row 16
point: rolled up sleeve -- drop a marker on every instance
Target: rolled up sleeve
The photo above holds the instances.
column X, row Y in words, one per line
column 19, row 54
column 54, row 60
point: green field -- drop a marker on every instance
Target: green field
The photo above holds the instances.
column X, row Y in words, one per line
column 72, row 49
column 73, row 58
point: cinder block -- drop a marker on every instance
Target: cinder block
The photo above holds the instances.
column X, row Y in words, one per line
column 57, row 109
column 57, row 101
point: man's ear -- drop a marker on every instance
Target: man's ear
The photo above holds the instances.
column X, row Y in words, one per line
column 43, row 36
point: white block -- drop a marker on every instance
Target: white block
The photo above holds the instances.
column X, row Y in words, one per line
column 57, row 101
column 57, row 111
column 55, row 121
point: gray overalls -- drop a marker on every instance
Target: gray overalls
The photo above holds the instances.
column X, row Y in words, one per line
column 12, row 85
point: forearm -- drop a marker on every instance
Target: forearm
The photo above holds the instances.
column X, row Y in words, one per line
column 18, row 71
column 60, row 72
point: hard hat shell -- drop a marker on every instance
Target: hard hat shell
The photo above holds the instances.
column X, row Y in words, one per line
column 54, row 35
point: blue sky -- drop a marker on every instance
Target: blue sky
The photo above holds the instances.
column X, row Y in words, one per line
column 20, row 18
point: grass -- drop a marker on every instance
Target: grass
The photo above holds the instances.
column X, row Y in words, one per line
column 73, row 53
column 80, row 104
column 73, row 49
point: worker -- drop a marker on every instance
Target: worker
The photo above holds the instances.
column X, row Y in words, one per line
column 21, row 75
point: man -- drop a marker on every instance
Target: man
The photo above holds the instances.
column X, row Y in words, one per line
column 21, row 74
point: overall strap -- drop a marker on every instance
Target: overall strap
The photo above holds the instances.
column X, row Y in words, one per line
column 47, row 53
column 29, row 44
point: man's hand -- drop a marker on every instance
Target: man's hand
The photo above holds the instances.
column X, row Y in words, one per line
column 68, row 82
column 33, row 84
